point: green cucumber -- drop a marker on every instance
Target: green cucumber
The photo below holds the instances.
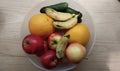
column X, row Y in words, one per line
column 70, row 10
column 58, row 7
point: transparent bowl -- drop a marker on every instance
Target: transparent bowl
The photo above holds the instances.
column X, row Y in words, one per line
column 86, row 19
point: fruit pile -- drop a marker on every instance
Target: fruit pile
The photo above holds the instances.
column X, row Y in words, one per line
column 57, row 36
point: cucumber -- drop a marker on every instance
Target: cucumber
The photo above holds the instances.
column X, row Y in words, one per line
column 58, row 7
column 72, row 11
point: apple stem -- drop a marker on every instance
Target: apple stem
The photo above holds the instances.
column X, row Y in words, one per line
column 55, row 42
column 54, row 60
column 27, row 42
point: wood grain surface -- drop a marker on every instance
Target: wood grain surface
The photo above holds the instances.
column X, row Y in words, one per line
column 104, row 57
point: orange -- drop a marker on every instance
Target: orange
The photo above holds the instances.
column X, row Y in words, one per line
column 41, row 24
column 79, row 33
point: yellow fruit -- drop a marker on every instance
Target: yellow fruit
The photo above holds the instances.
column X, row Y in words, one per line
column 79, row 33
column 41, row 24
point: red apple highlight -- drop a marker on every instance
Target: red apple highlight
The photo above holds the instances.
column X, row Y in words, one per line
column 48, row 59
column 75, row 52
column 32, row 43
column 53, row 40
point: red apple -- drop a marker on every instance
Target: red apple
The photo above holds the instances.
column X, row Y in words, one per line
column 45, row 46
column 53, row 40
column 40, row 52
column 75, row 52
column 48, row 59
column 31, row 43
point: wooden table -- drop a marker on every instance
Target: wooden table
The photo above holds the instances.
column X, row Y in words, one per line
column 104, row 57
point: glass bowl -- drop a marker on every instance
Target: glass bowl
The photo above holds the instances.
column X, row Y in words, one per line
column 86, row 19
